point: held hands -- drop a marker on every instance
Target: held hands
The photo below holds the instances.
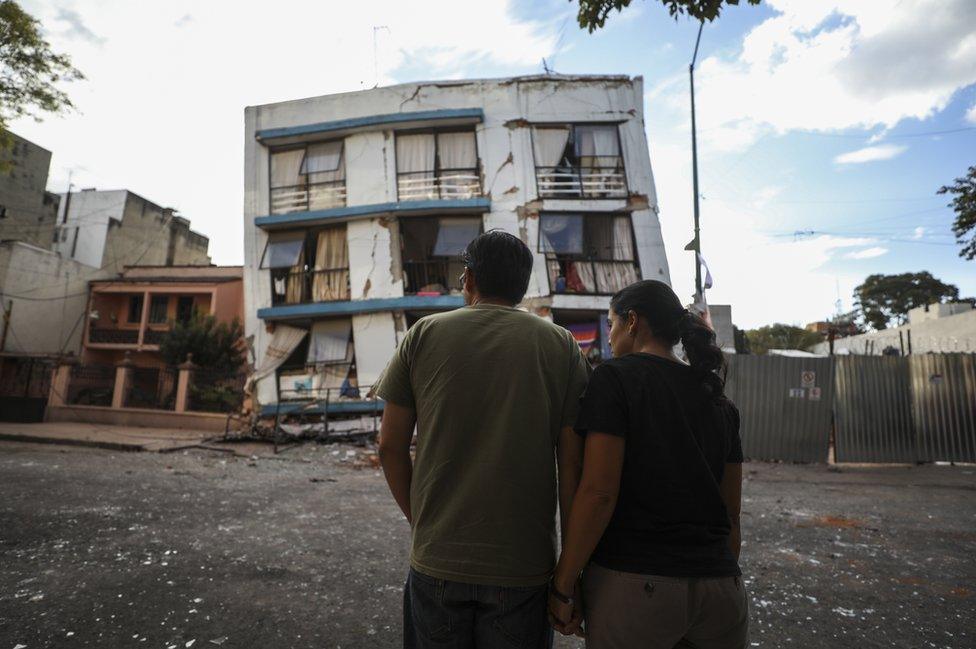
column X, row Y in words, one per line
column 566, row 613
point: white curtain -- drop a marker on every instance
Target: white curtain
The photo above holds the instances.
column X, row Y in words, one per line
column 286, row 168
column 584, row 270
column 597, row 146
column 549, row 144
column 623, row 242
column 331, row 254
column 330, row 341
column 284, row 340
column 415, row 153
column 457, row 150
column 454, row 234
column 613, row 276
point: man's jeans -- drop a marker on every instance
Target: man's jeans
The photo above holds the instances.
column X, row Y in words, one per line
column 441, row 613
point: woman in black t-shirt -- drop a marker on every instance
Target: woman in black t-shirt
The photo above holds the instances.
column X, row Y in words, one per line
column 655, row 518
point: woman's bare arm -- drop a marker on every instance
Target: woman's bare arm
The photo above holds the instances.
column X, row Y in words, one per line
column 731, row 489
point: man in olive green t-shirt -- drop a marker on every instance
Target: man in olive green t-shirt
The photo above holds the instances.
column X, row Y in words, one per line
column 493, row 392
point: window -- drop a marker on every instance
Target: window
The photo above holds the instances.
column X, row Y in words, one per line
column 431, row 249
column 311, row 177
column 308, row 266
column 323, row 366
column 578, row 161
column 135, row 309
column 588, row 253
column 184, row 308
column 158, row 308
column 437, row 165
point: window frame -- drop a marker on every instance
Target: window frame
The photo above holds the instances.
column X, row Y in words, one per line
column 436, row 171
column 573, row 141
column 569, row 257
column 133, row 300
column 309, row 239
column 450, row 283
column 304, row 145
column 156, row 298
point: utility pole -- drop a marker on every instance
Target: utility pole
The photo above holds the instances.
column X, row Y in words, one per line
column 695, row 245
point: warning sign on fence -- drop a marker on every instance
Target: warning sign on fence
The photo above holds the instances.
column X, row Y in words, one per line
column 797, row 393
column 808, row 378
column 814, row 394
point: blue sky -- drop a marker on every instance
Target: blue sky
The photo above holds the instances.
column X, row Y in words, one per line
column 836, row 120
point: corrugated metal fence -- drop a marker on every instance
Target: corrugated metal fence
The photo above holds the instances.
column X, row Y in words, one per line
column 881, row 409
column 780, row 418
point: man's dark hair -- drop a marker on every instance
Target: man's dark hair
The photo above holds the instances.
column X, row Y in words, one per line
column 500, row 265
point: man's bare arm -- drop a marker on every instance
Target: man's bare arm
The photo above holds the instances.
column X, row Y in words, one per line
column 396, row 433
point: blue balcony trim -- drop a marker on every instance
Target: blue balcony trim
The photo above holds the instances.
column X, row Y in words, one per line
column 271, row 221
column 326, row 309
column 370, row 121
column 316, row 408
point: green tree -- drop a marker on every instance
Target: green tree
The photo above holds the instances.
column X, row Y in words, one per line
column 781, row 336
column 881, row 299
column 29, row 72
column 216, row 346
column 593, row 13
column 963, row 191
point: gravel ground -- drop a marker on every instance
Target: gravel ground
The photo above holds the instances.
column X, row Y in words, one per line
column 205, row 549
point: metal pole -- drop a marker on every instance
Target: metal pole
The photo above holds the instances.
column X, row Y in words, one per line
column 694, row 168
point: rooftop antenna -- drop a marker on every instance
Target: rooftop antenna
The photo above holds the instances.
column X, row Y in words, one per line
column 376, row 58
column 545, row 66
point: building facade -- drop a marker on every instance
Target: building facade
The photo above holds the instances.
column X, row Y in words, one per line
column 357, row 205
column 130, row 314
column 28, row 211
column 118, row 228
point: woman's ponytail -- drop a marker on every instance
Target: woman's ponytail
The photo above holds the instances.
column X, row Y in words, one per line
column 704, row 356
column 672, row 323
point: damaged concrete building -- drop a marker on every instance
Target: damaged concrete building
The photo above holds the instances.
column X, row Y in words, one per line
column 357, row 205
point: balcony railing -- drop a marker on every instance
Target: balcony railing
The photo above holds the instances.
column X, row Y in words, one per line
column 302, row 198
column 442, row 185
column 591, row 277
column 154, row 336
column 108, row 336
column 432, row 275
column 581, row 182
column 298, row 287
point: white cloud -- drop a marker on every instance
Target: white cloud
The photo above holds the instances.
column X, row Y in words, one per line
column 167, row 120
column 971, row 114
column 833, row 65
column 871, row 154
column 919, row 233
column 867, row 253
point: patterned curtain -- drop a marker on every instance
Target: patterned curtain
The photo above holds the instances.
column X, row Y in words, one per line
column 332, row 255
column 296, row 281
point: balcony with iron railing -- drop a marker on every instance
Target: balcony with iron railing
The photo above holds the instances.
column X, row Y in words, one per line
column 445, row 184
column 312, row 196
column 582, row 182
column 431, row 276
column 575, row 276
column 307, row 286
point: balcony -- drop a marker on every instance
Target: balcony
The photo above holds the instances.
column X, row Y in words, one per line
column 304, row 198
column 432, row 277
column 305, row 286
column 589, row 277
column 445, row 185
column 582, row 182
column 107, row 336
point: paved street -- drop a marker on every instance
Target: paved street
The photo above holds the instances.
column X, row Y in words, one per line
column 204, row 549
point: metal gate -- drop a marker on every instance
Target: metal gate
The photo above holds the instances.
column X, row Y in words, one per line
column 873, row 410
column 943, row 399
column 24, row 385
column 784, row 405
